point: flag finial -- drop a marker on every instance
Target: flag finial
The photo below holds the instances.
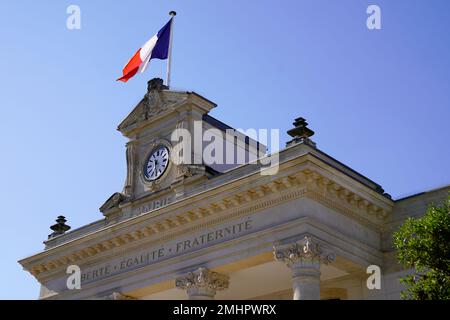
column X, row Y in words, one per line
column 172, row 13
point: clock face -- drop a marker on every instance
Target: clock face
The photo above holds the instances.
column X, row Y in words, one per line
column 157, row 163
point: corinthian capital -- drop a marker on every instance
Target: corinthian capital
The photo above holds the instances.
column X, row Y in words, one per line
column 301, row 251
column 118, row 296
column 203, row 277
column 202, row 282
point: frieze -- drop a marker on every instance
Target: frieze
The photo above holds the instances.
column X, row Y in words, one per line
column 154, row 204
column 167, row 250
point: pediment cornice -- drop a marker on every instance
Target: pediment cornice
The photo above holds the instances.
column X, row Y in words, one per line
column 151, row 107
column 157, row 104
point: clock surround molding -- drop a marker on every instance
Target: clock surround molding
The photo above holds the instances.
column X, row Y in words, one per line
column 154, row 185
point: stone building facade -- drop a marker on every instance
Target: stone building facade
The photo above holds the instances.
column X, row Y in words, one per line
column 178, row 230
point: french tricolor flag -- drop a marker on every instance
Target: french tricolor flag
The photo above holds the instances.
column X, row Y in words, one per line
column 155, row 48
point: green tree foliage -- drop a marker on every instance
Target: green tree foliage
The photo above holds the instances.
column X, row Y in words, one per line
column 423, row 244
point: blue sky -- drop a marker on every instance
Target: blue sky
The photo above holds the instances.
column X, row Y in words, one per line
column 378, row 100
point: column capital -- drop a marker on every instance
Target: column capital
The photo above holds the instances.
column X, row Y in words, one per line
column 202, row 283
column 304, row 250
column 118, row 296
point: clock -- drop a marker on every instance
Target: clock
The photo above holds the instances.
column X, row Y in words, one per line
column 157, row 163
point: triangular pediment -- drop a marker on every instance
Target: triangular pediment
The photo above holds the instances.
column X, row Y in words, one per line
column 158, row 102
column 112, row 202
column 153, row 105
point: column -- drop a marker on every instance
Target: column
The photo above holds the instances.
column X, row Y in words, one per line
column 304, row 258
column 202, row 284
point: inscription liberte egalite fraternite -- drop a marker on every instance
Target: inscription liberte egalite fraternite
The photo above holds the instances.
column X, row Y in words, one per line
column 165, row 251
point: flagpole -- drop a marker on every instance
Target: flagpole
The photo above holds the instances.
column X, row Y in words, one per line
column 169, row 61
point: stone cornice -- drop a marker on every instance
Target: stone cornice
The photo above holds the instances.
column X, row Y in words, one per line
column 235, row 180
column 292, row 182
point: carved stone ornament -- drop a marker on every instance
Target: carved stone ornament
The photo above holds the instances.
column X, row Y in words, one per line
column 304, row 250
column 59, row 228
column 301, row 133
column 203, row 278
column 118, row 296
column 153, row 105
column 189, row 170
column 157, row 100
column 113, row 202
column 154, row 102
column 152, row 186
column 156, row 84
